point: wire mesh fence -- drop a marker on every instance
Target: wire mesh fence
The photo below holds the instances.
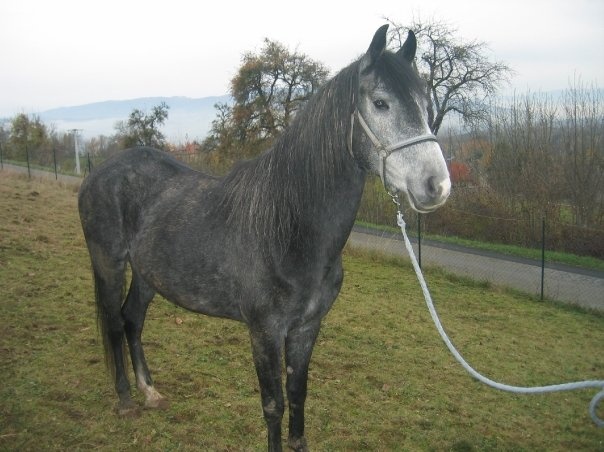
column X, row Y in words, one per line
column 582, row 287
column 535, row 272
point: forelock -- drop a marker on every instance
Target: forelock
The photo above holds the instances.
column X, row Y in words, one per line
column 399, row 75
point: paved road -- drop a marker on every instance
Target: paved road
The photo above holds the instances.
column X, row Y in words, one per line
column 563, row 283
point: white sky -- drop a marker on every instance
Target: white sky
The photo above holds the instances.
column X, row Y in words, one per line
column 63, row 52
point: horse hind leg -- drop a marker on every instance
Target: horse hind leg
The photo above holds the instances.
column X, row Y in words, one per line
column 109, row 287
column 134, row 311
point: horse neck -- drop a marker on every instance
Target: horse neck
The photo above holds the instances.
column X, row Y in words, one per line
column 326, row 207
column 306, row 182
column 336, row 213
column 313, row 152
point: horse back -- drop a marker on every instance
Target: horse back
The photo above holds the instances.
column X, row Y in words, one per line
column 113, row 199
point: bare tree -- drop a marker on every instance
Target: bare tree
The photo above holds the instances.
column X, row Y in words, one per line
column 459, row 74
column 523, row 158
column 583, row 151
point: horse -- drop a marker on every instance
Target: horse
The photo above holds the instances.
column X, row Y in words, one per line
column 263, row 244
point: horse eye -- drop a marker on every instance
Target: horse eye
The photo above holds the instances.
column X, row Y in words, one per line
column 381, row 104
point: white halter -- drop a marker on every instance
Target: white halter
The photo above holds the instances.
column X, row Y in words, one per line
column 384, row 151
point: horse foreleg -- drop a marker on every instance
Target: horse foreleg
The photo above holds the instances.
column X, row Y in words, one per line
column 298, row 349
column 266, row 348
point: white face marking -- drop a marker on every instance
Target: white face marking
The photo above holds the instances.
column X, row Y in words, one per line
column 419, row 171
column 422, row 104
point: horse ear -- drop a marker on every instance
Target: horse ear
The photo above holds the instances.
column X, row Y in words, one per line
column 407, row 51
column 376, row 48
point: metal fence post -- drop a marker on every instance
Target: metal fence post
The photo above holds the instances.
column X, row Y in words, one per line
column 27, row 157
column 542, row 255
column 54, row 158
column 419, row 239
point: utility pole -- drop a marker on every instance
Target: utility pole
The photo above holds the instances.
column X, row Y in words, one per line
column 76, row 145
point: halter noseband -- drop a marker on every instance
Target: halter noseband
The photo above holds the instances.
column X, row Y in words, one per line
column 384, row 151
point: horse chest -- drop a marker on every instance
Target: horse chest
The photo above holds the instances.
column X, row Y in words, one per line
column 315, row 306
column 314, row 300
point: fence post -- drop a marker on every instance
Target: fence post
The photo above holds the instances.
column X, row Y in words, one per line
column 419, row 239
column 542, row 255
column 89, row 163
column 1, row 159
column 54, row 158
column 27, row 158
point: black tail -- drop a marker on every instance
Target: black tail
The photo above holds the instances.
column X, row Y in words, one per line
column 108, row 323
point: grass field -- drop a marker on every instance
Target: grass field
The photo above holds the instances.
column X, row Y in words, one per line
column 380, row 378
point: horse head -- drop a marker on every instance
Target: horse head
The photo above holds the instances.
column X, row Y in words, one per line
column 390, row 132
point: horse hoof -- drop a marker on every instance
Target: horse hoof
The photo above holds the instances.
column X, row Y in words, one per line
column 128, row 409
column 157, row 404
column 297, row 444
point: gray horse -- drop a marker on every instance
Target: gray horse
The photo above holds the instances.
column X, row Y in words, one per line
column 263, row 244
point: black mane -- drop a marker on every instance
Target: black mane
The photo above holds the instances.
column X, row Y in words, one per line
column 266, row 196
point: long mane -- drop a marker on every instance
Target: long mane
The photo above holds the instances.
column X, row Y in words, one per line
column 266, row 197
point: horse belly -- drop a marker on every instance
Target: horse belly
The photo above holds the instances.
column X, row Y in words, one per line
column 188, row 273
column 195, row 294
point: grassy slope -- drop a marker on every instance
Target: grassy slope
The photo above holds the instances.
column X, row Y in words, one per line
column 380, row 378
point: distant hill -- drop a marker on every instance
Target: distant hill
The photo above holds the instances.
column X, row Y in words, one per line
column 187, row 118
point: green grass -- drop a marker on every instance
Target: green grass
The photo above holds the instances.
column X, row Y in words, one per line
column 380, row 378
column 511, row 250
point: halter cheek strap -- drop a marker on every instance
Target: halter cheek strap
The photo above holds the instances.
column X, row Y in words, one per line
column 384, row 151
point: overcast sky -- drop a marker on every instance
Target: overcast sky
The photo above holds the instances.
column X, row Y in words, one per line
column 63, row 53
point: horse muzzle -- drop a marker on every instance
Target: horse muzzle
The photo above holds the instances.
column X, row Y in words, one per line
column 433, row 195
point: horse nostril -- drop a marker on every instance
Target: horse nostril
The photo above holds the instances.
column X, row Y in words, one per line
column 434, row 189
column 437, row 189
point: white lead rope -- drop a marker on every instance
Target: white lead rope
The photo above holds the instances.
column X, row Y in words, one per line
column 517, row 389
